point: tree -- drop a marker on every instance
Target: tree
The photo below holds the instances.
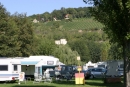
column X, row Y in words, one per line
column 26, row 35
column 115, row 52
column 95, row 51
column 115, row 15
column 46, row 46
column 82, row 49
column 66, row 55
column 9, row 47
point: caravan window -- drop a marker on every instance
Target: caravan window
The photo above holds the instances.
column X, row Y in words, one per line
column 15, row 67
column 3, row 67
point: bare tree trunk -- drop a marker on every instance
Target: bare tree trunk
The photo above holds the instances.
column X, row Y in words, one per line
column 124, row 59
column 126, row 55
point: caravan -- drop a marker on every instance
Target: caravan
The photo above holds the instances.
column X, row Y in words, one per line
column 9, row 69
column 47, row 63
column 29, row 65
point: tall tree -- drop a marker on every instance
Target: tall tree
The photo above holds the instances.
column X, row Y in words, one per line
column 9, row 47
column 115, row 15
column 66, row 55
column 115, row 52
column 46, row 46
column 82, row 49
column 26, row 35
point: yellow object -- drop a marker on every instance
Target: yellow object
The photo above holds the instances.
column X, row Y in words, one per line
column 79, row 68
column 79, row 81
column 76, row 80
column 79, row 78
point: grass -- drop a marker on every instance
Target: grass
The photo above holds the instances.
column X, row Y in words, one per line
column 88, row 83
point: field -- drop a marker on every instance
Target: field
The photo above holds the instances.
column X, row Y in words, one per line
column 82, row 23
column 89, row 83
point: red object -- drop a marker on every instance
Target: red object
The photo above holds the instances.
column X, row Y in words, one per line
column 13, row 78
column 79, row 75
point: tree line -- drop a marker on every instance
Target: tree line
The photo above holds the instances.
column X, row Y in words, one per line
column 81, row 12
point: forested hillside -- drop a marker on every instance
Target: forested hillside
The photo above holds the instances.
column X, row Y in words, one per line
column 21, row 36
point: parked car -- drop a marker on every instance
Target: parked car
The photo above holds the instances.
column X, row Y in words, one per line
column 65, row 72
column 97, row 72
column 86, row 73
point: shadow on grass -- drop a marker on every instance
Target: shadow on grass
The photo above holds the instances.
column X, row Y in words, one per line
column 104, row 84
column 3, row 82
column 32, row 86
column 91, row 82
column 71, row 82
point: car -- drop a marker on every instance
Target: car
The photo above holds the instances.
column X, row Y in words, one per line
column 98, row 72
column 87, row 74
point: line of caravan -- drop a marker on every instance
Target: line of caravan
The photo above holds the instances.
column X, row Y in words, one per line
column 11, row 67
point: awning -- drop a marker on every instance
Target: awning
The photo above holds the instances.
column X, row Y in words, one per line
column 29, row 62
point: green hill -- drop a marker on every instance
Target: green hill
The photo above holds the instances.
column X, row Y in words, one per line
column 81, row 23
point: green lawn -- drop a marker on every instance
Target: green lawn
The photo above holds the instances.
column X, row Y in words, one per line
column 89, row 83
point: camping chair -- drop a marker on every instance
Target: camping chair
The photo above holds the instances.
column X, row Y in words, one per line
column 68, row 76
column 58, row 75
column 47, row 78
column 37, row 78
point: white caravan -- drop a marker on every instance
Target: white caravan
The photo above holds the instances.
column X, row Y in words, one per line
column 46, row 63
column 9, row 69
column 90, row 65
column 102, row 64
column 28, row 64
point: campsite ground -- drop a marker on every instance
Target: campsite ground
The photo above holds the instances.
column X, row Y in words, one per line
column 88, row 83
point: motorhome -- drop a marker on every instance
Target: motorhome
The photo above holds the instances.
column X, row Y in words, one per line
column 9, row 69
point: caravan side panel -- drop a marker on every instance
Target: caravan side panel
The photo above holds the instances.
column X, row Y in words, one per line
column 9, row 70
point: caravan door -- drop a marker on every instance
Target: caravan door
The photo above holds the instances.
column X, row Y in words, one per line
column 38, row 69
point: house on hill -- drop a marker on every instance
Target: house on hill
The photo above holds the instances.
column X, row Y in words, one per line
column 35, row 21
column 61, row 41
column 67, row 16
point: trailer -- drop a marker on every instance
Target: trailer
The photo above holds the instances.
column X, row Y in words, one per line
column 47, row 63
column 29, row 64
column 9, row 69
column 90, row 65
column 102, row 64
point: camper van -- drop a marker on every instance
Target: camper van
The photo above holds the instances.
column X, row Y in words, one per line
column 9, row 69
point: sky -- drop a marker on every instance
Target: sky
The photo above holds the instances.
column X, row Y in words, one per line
column 31, row 7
